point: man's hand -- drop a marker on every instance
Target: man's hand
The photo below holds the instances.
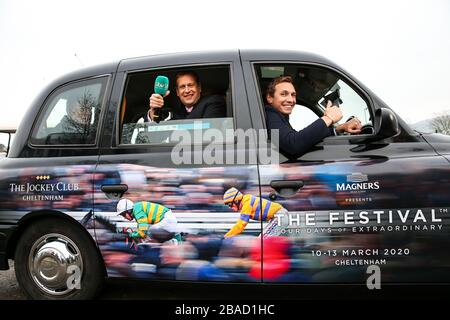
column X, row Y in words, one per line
column 156, row 101
column 332, row 114
column 352, row 126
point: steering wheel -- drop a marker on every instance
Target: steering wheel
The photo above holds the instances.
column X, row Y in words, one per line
column 367, row 129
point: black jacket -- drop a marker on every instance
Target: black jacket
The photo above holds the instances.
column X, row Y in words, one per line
column 213, row 106
column 292, row 143
column 207, row 107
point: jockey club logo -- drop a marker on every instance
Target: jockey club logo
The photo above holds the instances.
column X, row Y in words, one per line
column 43, row 189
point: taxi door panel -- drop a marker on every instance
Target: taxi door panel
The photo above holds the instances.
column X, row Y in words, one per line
column 192, row 191
column 387, row 207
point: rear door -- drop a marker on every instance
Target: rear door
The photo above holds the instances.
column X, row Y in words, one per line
column 381, row 203
column 183, row 165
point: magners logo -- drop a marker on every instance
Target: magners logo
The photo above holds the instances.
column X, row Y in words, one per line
column 357, row 182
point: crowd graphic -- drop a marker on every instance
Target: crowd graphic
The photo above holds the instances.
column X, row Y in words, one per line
column 204, row 254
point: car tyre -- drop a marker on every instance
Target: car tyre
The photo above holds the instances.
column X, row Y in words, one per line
column 55, row 259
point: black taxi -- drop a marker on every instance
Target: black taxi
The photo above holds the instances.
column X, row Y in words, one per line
column 107, row 192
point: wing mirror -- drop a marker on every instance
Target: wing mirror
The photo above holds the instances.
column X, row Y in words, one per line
column 10, row 132
column 386, row 126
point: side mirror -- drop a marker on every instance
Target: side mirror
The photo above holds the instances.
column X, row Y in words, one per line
column 386, row 126
column 5, row 149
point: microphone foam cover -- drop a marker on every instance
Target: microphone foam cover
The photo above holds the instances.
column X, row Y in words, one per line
column 161, row 85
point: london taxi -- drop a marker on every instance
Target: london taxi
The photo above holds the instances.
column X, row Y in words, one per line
column 380, row 197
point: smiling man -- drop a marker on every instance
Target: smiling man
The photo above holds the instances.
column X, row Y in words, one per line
column 193, row 104
column 281, row 98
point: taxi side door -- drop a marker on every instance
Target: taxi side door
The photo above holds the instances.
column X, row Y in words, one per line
column 353, row 200
column 188, row 175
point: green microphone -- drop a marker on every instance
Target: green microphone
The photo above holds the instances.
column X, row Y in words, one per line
column 161, row 87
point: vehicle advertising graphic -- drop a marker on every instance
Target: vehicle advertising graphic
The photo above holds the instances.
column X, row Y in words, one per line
column 176, row 224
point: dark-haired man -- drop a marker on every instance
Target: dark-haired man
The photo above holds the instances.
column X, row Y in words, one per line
column 193, row 104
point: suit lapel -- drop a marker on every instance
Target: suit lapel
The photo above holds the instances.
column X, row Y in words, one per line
column 197, row 111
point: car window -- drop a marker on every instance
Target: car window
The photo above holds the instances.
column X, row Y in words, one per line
column 351, row 103
column 313, row 85
column 71, row 114
column 210, row 87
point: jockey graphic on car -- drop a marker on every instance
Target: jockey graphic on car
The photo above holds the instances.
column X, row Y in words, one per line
column 255, row 208
column 153, row 220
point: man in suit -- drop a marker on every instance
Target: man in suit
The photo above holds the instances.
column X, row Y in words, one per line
column 281, row 98
column 193, row 104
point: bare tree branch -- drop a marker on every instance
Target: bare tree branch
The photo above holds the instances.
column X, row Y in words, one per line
column 441, row 124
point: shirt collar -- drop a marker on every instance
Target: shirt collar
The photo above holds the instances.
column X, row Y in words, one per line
column 272, row 109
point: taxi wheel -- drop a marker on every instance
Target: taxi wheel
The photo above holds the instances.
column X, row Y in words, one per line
column 55, row 259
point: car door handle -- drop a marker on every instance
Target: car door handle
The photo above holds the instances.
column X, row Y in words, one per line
column 286, row 184
column 114, row 190
column 286, row 188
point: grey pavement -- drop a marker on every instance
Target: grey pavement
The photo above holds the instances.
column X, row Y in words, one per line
column 9, row 289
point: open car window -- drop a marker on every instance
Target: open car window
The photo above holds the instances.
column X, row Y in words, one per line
column 313, row 85
column 135, row 126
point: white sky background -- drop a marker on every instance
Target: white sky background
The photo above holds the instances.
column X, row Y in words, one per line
column 399, row 49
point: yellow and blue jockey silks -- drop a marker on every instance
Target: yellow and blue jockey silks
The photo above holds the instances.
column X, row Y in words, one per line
column 147, row 213
column 253, row 208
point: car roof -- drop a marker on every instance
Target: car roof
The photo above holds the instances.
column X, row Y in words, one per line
column 206, row 56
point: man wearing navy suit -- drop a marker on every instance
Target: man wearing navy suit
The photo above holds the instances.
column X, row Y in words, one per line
column 193, row 104
column 281, row 97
